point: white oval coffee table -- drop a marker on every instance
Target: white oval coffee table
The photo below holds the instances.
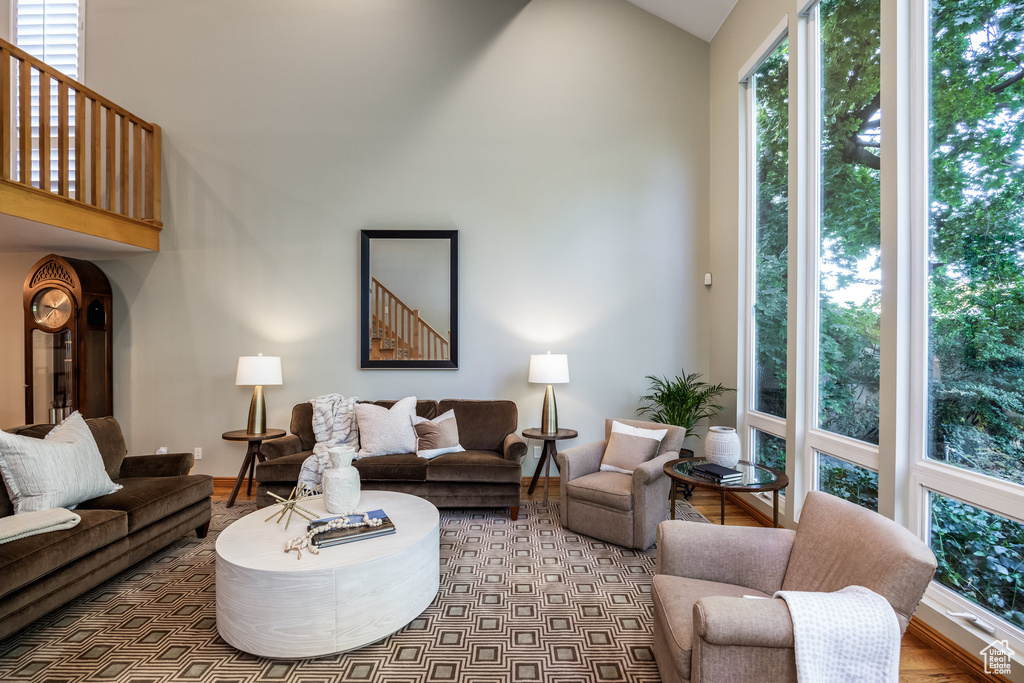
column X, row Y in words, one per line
column 272, row 605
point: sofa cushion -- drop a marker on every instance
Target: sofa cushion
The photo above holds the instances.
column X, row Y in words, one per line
column 398, row 467
column 475, row 466
column 28, row 559
column 610, row 489
column 148, row 499
column 629, row 447
column 61, row 470
column 483, row 425
column 438, row 436
column 673, row 598
column 285, row 468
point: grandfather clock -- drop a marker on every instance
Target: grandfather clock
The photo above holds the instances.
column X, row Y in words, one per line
column 68, row 341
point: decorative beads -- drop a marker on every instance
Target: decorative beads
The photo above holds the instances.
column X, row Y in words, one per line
column 305, row 542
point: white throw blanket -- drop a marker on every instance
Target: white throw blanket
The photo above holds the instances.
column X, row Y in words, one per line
column 847, row 636
column 334, row 424
column 14, row 527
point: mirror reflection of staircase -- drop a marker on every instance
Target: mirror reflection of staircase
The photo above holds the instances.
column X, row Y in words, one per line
column 397, row 332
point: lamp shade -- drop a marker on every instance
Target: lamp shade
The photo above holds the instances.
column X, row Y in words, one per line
column 549, row 368
column 258, row 370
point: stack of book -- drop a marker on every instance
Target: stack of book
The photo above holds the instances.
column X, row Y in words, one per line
column 349, row 534
column 717, row 473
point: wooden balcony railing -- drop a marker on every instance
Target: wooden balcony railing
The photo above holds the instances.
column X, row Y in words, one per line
column 398, row 332
column 106, row 157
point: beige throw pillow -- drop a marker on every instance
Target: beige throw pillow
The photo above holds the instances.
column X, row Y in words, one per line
column 438, row 436
column 61, row 470
column 386, row 432
column 629, row 447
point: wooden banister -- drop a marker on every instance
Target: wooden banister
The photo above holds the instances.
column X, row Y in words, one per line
column 116, row 154
column 398, row 332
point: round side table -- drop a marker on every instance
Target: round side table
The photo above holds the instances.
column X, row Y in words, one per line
column 547, row 454
column 252, row 454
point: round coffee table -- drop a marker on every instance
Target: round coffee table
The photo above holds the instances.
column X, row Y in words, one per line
column 271, row 604
column 755, row 478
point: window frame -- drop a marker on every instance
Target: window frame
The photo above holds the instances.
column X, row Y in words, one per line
column 747, row 417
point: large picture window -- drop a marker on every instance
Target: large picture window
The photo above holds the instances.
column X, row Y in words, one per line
column 849, row 246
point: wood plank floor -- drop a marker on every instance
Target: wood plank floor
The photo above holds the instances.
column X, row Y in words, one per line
column 918, row 662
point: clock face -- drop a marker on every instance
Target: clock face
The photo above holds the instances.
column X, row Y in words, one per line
column 51, row 308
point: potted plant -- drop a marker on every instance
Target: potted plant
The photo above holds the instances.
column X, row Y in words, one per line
column 682, row 401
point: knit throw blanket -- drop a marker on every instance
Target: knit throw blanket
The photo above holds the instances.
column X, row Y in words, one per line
column 334, row 424
column 848, row 636
column 14, row 527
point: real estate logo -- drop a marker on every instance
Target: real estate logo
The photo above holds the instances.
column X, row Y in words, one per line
column 997, row 657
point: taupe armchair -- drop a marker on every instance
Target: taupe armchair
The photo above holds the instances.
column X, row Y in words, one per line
column 704, row 630
column 619, row 508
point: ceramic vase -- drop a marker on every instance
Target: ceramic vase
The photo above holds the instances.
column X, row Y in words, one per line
column 341, row 481
column 722, row 446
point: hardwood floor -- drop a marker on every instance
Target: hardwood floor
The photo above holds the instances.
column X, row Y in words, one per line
column 919, row 663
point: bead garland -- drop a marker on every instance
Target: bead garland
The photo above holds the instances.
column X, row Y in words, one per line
column 305, row 542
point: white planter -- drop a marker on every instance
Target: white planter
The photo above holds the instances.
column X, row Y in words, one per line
column 341, row 481
column 722, row 446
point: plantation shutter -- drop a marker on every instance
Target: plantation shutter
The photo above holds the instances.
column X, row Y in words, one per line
column 50, row 30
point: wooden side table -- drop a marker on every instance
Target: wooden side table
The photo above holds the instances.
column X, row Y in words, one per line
column 252, row 454
column 547, row 453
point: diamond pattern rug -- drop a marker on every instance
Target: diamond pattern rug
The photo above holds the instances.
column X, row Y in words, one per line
column 518, row 601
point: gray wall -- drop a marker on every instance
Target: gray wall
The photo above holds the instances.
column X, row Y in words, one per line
column 565, row 139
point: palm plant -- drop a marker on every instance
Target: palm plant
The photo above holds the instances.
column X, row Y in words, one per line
column 681, row 401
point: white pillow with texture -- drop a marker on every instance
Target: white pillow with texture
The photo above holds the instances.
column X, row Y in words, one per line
column 61, row 470
column 385, row 432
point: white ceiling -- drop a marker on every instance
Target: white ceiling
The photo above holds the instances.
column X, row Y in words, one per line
column 702, row 18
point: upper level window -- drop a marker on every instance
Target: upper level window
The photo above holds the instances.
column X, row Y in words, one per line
column 849, row 245
column 50, row 30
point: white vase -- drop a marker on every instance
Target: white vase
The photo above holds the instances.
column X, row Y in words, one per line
column 722, row 446
column 341, row 481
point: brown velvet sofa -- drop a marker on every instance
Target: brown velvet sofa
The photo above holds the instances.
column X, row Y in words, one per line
column 487, row 474
column 159, row 502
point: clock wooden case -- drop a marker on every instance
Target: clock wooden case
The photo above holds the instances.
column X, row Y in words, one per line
column 68, row 340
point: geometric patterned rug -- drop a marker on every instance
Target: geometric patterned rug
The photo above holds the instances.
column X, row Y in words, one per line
column 518, row 601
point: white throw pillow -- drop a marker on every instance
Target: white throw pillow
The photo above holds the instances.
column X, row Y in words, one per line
column 61, row 470
column 385, row 432
column 629, row 447
column 436, row 437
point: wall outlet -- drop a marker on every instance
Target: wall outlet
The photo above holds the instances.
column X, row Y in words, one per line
column 536, row 452
column 198, row 453
column 707, row 278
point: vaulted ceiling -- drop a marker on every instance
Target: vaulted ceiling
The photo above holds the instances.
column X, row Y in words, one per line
column 702, row 18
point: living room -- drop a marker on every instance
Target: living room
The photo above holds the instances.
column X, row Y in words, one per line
column 589, row 153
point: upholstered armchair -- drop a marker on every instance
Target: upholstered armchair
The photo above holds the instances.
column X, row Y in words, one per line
column 623, row 509
column 704, row 630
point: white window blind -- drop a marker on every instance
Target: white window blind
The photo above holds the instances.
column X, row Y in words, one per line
column 51, row 30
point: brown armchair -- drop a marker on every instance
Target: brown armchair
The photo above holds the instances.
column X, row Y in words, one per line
column 619, row 508
column 705, row 631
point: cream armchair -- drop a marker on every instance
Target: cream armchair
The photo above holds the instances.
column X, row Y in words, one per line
column 705, row 631
column 619, row 508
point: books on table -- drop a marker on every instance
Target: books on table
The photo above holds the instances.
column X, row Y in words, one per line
column 349, row 534
column 717, row 473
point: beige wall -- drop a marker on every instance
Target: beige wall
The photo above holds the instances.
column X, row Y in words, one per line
column 565, row 139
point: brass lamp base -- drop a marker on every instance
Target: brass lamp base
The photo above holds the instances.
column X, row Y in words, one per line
column 257, row 412
column 549, row 415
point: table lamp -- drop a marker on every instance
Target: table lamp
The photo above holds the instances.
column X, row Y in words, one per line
column 549, row 368
column 257, row 371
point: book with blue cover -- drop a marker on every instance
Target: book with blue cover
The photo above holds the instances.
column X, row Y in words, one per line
column 349, row 534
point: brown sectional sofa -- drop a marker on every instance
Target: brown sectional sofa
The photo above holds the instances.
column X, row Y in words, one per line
column 487, row 474
column 159, row 503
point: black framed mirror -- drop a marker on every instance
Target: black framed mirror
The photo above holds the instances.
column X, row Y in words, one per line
column 409, row 299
